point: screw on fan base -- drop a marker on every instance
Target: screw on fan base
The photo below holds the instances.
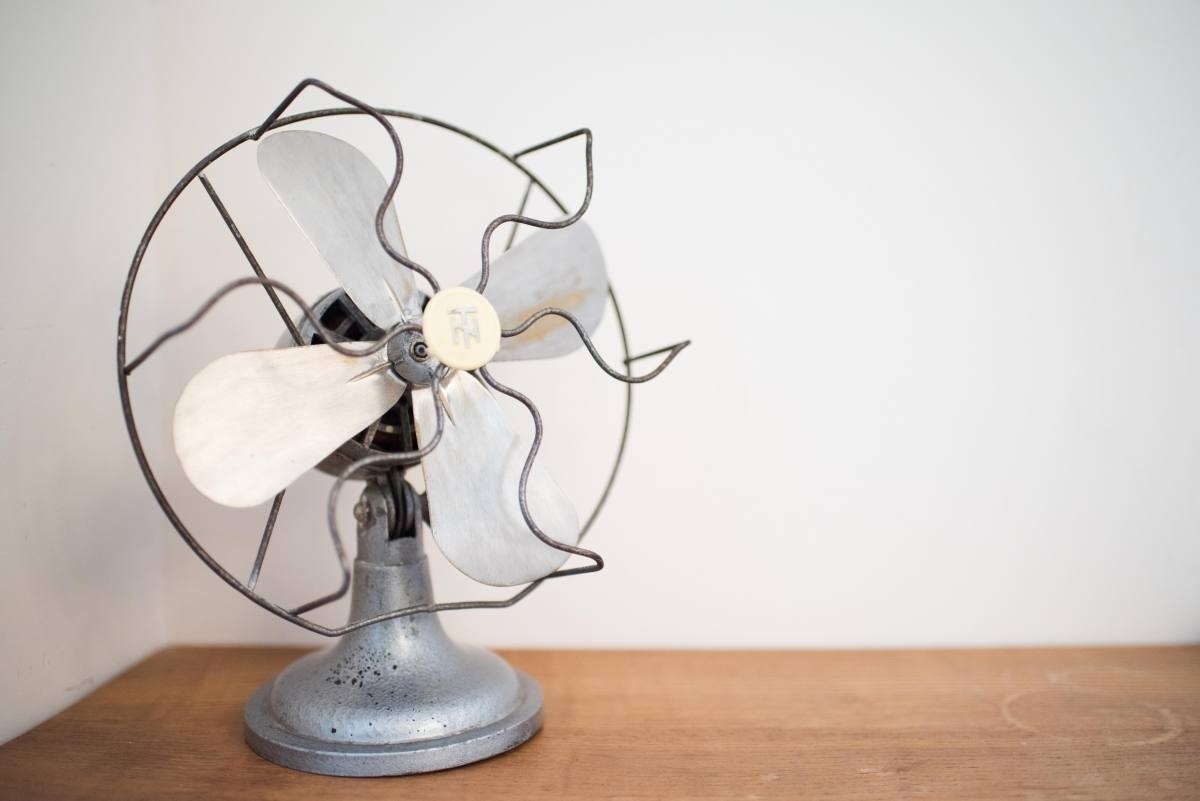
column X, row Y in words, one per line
column 394, row 698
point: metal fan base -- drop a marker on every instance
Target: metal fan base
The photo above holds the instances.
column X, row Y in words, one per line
column 270, row 741
column 398, row 696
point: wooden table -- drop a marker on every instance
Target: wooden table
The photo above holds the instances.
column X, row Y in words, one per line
column 1097, row 723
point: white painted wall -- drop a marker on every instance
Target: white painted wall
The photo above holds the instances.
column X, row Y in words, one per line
column 81, row 573
column 939, row 264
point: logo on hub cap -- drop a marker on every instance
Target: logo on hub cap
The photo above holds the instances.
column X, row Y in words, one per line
column 461, row 328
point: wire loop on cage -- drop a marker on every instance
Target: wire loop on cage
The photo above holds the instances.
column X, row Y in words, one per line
column 397, row 170
column 523, row 485
column 520, row 219
column 329, row 337
column 671, row 350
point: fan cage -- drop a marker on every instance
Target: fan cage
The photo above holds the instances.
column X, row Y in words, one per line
column 125, row 367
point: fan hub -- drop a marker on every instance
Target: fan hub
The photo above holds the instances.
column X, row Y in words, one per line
column 461, row 328
column 411, row 358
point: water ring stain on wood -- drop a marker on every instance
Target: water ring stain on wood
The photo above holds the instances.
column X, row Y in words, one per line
column 1111, row 707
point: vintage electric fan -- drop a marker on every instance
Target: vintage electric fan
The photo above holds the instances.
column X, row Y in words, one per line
column 386, row 373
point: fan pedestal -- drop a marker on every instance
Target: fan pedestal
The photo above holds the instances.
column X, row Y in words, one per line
column 397, row 697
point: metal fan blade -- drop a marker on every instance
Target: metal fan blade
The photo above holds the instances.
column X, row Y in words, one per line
column 333, row 193
column 471, row 480
column 249, row 424
column 560, row 267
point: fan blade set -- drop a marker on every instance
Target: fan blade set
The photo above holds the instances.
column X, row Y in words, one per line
column 251, row 423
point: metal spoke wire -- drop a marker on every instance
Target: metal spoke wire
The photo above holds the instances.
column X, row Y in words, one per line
column 330, row 338
column 252, row 581
column 512, row 232
column 520, row 218
column 249, row 254
column 538, row 430
column 622, row 331
column 671, row 350
column 397, row 169
column 523, row 484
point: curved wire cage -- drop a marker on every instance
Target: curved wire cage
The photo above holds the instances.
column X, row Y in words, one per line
column 273, row 288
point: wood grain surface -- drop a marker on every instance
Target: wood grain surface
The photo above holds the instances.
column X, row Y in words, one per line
column 1111, row 723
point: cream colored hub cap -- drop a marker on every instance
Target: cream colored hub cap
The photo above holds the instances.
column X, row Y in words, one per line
column 461, row 328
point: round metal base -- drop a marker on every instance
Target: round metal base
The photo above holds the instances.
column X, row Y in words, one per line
column 275, row 743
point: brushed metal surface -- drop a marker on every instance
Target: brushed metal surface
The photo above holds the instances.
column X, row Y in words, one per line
column 562, row 268
column 397, row 697
column 333, row 191
column 471, row 480
column 285, row 748
column 250, row 423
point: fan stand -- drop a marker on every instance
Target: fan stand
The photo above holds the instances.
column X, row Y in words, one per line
column 395, row 697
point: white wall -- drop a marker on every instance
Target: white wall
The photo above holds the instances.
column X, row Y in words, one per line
column 939, row 264
column 80, row 577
